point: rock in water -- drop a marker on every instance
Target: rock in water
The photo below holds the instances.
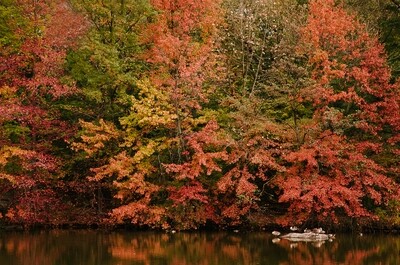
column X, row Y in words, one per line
column 276, row 233
column 306, row 237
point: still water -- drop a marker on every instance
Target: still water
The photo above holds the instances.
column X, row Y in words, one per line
column 63, row 247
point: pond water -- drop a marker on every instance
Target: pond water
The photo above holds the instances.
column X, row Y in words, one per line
column 65, row 247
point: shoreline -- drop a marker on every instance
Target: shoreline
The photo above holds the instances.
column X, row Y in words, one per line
column 367, row 230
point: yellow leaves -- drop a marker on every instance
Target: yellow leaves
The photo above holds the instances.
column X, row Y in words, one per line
column 95, row 136
column 7, row 92
column 206, row 115
column 8, row 177
column 145, row 151
column 128, row 169
column 150, row 112
column 151, row 109
column 10, row 151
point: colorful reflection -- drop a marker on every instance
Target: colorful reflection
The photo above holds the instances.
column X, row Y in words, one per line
column 62, row 247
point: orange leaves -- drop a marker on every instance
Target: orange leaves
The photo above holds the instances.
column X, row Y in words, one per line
column 202, row 161
column 306, row 155
column 239, row 182
column 128, row 176
column 344, row 56
column 140, row 213
column 181, row 48
column 329, row 26
column 330, row 175
column 333, row 172
column 95, row 136
column 291, row 186
column 119, row 166
column 228, row 181
column 234, row 213
column 191, row 191
column 182, row 43
column 251, row 160
column 133, row 191
column 244, row 187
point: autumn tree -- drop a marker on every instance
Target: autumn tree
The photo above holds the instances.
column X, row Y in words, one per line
column 165, row 108
column 264, row 76
column 32, row 132
column 106, row 68
column 333, row 174
column 188, row 113
column 383, row 17
column 182, row 39
column 251, row 30
column 107, row 64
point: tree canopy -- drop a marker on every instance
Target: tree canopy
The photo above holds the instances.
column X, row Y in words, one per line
column 173, row 114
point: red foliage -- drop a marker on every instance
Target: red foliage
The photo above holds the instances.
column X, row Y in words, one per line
column 193, row 199
column 233, row 167
column 30, row 125
column 140, row 213
column 252, row 159
column 201, row 161
column 179, row 57
column 181, row 44
column 38, row 66
column 181, row 40
column 328, row 179
column 350, row 68
column 38, row 206
column 330, row 176
column 193, row 191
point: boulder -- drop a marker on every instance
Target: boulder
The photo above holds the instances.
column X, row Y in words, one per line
column 309, row 237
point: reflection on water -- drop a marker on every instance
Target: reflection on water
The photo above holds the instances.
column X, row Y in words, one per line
column 123, row 248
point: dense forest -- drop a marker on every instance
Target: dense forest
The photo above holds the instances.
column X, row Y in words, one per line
column 188, row 114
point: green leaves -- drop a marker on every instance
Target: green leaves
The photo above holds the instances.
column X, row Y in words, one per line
column 10, row 19
column 108, row 64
